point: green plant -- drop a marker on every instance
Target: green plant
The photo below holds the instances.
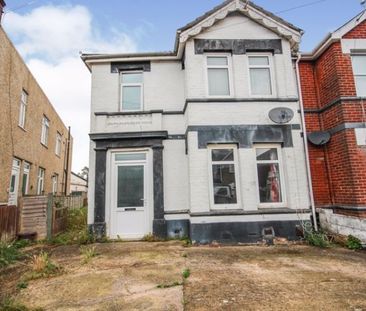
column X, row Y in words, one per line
column 353, row 242
column 88, row 252
column 9, row 304
column 184, row 255
column 319, row 239
column 186, row 273
column 22, row 285
column 9, row 252
column 42, row 266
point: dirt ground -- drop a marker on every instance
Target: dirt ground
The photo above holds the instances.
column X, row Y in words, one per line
column 129, row 276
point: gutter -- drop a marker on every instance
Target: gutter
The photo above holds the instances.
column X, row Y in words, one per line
column 308, row 172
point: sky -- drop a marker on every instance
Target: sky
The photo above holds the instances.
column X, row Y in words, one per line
column 49, row 35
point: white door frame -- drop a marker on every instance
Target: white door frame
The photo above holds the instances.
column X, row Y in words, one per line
column 15, row 171
column 110, row 187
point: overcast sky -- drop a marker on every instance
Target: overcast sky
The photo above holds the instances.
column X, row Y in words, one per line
column 50, row 34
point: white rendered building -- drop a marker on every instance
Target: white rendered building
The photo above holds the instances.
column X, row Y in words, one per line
column 204, row 141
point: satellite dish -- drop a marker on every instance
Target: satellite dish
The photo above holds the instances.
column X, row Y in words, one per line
column 281, row 115
column 319, row 138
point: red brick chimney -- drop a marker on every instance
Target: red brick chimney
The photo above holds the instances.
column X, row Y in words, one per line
column 2, row 6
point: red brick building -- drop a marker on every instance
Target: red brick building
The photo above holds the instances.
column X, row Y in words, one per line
column 333, row 83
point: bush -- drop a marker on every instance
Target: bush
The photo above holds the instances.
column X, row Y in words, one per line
column 10, row 252
column 353, row 243
column 319, row 239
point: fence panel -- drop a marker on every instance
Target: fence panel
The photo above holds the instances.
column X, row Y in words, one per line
column 8, row 222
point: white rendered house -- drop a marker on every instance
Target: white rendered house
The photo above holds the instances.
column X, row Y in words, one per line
column 204, row 141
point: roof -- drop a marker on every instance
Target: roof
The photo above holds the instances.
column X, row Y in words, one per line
column 334, row 36
column 256, row 13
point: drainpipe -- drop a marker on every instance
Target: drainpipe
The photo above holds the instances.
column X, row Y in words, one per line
column 308, row 172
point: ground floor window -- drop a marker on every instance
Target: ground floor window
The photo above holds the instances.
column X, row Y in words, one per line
column 224, row 180
column 25, row 181
column 54, row 183
column 269, row 175
column 40, row 181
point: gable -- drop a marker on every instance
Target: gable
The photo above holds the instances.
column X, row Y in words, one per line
column 358, row 32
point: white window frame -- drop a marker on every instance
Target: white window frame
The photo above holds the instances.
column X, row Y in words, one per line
column 58, row 144
column 45, row 131
column 270, row 66
column 234, row 147
column 358, row 75
column 26, row 171
column 141, row 84
column 282, row 175
column 23, row 108
column 228, row 67
column 40, row 180
column 54, row 183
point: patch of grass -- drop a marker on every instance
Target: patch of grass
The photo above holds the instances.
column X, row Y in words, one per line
column 186, row 242
column 176, row 283
column 9, row 304
column 353, row 242
column 186, row 273
column 319, row 239
column 88, row 252
column 42, row 267
column 22, row 285
column 10, row 252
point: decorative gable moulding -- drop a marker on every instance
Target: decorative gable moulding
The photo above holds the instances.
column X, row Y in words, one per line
column 249, row 10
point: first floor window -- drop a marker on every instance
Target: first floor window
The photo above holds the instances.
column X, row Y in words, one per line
column 260, row 75
column 224, row 179
column 218, row 76
column 54, row 183
column 58, row 144
column 23, row 108
column 40, row 181
column 131, row 91
column 359, row 72
column 269, row 176
column 45, row 130
column 26, row 171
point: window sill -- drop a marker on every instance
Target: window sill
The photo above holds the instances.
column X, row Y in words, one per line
column 44, row 145
column 272, row 205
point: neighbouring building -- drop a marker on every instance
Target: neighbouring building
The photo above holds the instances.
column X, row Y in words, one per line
column 204, row 141
column 35, row 145
column 78, row 184
column 333, row 82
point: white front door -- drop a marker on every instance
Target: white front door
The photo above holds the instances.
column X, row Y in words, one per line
column 130, row 214
column 14, row 183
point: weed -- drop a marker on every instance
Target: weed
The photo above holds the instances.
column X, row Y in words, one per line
column 353, row 243
column 186, row 242
column 176, row 283
column 184, row 255
column 186, row 273
column 10, row 252
column 42, row 266
column 150, row 238
column 88, row 252
column 22, row 285
column 319, row 239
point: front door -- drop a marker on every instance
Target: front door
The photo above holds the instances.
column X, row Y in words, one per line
column 129, row 212
column 14, row 183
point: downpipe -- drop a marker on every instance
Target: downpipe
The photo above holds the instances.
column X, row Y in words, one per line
column 307, row 160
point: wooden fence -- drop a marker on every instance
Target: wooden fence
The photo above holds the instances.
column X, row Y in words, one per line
column 8, row 222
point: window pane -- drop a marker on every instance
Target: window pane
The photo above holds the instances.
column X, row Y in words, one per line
column 266, row 154
column 224, row 183
column 359, row 64
column 24, row 184
column 130, row 186
column 360, row 85
column 218, row 81
column 260, row 81
column 222, row 155
column 217, row 61
column 258, row 61
column 130, row 156
column 132, row 77
column 12, row 183
column 269, row 183
column 131, row 98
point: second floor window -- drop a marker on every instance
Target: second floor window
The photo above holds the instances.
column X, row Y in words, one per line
column 45, row 130
column 23, row 108
column 218, row 76
column 260, row 75
column 58, row 144
column 131, row 91
column 359, row 72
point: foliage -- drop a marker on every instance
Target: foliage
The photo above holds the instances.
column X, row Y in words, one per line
column 319, row 239
column 353, row 242
column 88, row 252
column 77, row 229
column 22, row 285
column 10, row 252
column 186, row 273
column 42, row 266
